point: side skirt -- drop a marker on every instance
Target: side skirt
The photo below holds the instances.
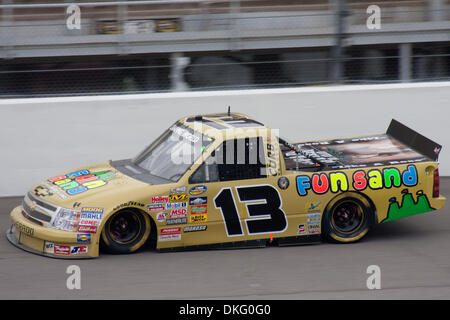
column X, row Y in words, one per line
column 248, row 244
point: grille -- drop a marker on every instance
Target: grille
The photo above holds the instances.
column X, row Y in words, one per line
column 30, row 218
column 35, row 214
column 41, row 203
column 35, row 210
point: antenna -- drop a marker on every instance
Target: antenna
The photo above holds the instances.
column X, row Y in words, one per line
column 229, row 109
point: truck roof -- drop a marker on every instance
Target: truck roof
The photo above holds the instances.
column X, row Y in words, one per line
column 224, row 121
column 226, row 125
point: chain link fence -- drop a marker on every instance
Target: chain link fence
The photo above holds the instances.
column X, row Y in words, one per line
column 219, row 72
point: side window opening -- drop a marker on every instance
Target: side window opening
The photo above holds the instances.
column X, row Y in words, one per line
column 235, row 159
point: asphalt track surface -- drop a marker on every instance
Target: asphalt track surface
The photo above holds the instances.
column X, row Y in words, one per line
column 413, row 255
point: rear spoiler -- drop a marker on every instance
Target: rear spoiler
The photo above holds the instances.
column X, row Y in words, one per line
column 414, row 140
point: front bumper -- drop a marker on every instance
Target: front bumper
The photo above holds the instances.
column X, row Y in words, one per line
column 47, row 241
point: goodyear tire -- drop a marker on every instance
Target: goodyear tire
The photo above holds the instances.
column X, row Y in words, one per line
column 125, row 231
column 347, row 218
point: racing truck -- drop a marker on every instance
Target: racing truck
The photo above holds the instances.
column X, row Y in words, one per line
column 226, row 180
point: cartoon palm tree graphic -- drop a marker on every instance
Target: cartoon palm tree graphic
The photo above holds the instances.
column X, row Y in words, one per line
column 408, row 207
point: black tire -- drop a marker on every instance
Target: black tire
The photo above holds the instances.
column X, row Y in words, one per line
column 347, row 218
column 125, row 231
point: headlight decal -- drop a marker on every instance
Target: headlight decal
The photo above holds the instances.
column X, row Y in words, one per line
column 85, row 220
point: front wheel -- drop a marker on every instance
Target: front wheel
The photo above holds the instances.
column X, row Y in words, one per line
column 347, row 219
column 125, row 231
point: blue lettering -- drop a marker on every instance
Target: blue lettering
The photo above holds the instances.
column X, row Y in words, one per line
column 303, row 184
column 410, row 176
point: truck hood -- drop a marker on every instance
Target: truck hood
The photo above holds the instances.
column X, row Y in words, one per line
column 84, row 184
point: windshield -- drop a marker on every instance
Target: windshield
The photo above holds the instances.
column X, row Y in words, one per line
column 173, row 153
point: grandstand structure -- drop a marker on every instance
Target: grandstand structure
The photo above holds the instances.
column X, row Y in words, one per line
column 97, row 47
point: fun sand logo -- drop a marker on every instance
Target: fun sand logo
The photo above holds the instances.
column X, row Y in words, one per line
column 408, row 206
column 82, row 180
column 374, row 179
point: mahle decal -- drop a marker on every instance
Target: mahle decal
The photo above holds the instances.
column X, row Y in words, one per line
column 374, row 179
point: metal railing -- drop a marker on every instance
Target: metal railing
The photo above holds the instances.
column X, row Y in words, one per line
column 287, row 69
column 158, row 46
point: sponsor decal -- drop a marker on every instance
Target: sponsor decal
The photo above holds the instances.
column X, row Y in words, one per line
column 91, row 213
column 83, row 238
column 175, row 205
column 160, row 199
column 49, row 247
column 313, row 207
column 301, row 229
column 167, row 25
column 197, row 190
column 82, row 180
column 177, row 190
column 185, row 134
column 176, row 221
column 408, row 206
column 199, row 218
column 24, row 229
column 156, row 207
column 178, row 213
column 313, row 218
column 161, row 216
column 374, row 179
column 87, row 229
column 199, row 209
column 79, row 250
column 129, row 204
column 170, row 234
column 177, row 197
column 194, row 228
column 197, row 201
column 314, row 228
column 272, row 156
column 89, row 222
column 63, row 250
column 283, row 183
column 91, row 216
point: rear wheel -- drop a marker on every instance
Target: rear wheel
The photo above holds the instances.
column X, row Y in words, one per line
column 125, row 231
column 347, row 218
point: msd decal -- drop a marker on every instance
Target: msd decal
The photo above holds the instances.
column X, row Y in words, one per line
column 374, row 179
column 178, row 213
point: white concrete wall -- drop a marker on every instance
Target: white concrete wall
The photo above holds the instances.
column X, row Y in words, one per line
column 40, row 138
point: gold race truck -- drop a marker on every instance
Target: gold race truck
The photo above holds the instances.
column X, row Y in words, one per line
column 228, row 181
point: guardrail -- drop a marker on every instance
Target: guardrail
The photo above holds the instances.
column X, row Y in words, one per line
column 27, row 30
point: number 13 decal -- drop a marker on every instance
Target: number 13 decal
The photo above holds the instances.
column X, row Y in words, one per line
column 263, row 205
